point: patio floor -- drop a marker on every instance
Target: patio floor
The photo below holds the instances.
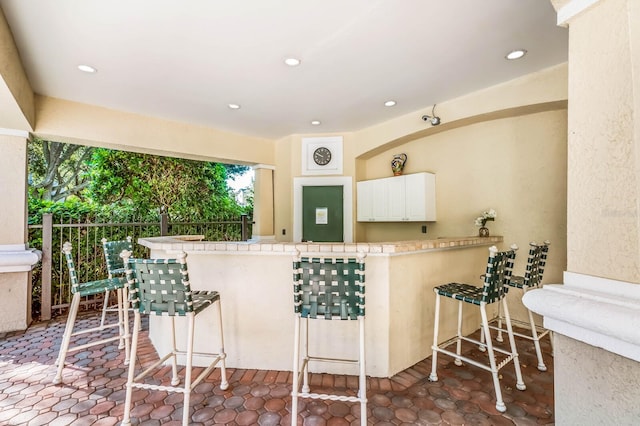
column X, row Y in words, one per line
column 93, row 392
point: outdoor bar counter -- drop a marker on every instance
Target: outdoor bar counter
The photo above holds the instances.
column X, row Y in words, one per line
column 255, row 281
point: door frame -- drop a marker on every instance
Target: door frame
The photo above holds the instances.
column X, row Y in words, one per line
column 346, row 182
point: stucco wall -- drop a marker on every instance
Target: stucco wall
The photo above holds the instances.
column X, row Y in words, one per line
column 604, row 159
column 594, row 386
column 13, row 189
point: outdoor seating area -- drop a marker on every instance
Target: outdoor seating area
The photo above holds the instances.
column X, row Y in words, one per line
column 93, row 389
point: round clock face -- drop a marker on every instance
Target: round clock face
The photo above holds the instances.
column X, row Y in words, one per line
column 322, row 156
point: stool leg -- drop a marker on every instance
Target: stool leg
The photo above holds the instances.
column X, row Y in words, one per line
column 536, row 338
column 224, row 383
column 433, row 377
column 500, row 406
column 514, row 351
column 105, row 305
column 305, row 357
column 187, row 371
column 126, row 420
column 458, row 361
column 123, row 309
column 66, row 337
column 296, row 371
column 174, row 361
column 121, row 345
column 499, row 337
column 362, row 392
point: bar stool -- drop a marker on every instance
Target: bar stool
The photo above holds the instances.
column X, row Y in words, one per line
column 91, row 288
column 161, row 287
column 326, row 288
column 536, row 262
column 498, row 274
column 115, row 268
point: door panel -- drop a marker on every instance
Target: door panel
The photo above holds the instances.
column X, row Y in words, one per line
column 322, row 210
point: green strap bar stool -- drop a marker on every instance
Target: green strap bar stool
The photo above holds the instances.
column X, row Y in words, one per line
column 161, row 287
column 532, row 279
column 327, row 288
column 496, row 277
column 91, row 288
column 115, row 267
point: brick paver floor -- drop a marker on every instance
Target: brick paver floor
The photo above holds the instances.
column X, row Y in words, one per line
column 92, row 392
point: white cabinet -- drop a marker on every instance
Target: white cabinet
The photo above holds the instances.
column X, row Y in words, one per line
column 408, row 198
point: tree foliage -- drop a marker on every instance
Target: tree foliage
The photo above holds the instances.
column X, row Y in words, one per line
column 100, row 184
column 186, row 189
column 57, row 170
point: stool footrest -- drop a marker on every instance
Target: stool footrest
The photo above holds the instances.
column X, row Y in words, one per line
column 331, row 397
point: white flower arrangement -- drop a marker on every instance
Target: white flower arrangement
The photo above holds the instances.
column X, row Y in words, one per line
column 489, row 215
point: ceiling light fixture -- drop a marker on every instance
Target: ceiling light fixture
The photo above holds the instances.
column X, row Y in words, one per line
column 515, row 54
column 433, row 119
column 87, row 69
column 234, row 106
column 315, row 122
column 292, row 62
column 390, row 103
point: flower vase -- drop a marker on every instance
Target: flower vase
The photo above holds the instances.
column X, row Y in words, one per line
column 483, row 231
column 397, row 164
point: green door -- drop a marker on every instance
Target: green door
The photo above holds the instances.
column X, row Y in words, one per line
column 322, row 211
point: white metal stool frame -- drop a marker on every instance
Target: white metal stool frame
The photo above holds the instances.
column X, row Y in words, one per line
column 161, row 287
column 532, row 279
column 91, row 288
column 499, row 267
column 339, row 297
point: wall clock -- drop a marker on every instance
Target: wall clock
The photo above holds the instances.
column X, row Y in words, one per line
column 322, row 155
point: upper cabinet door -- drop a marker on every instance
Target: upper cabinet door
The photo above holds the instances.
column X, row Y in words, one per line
column 397, row 199
column 420, row 196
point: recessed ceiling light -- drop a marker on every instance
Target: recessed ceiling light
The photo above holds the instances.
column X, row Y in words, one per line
column 234, row 106
column 315, row 122
column 292, row 62
column 516, row 54
column 87, row 68
column 390, row 103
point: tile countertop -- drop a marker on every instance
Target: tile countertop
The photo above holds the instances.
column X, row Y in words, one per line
column 193, row 243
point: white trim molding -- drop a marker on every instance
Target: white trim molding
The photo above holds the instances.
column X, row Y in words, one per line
column 18, row 258
column 598, row 311
column 14, row 132
column 573, row 8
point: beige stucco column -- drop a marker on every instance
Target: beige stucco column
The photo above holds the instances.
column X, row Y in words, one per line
column 596, row 313
column 16, row 259
column 263, row 227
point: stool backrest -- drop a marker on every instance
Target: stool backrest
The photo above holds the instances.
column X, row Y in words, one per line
column 498, row 274
column 329, row 287
column 159, row 286
column 112, row 250
column 73, row 275
column 535, row 263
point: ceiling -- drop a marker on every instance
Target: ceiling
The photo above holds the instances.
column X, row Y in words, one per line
column 187, row 60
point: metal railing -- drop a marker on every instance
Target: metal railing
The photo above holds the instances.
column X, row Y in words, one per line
column 51, row 284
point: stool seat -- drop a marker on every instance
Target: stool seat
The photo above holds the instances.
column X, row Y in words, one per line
column 92, row 288
column 464, row 292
